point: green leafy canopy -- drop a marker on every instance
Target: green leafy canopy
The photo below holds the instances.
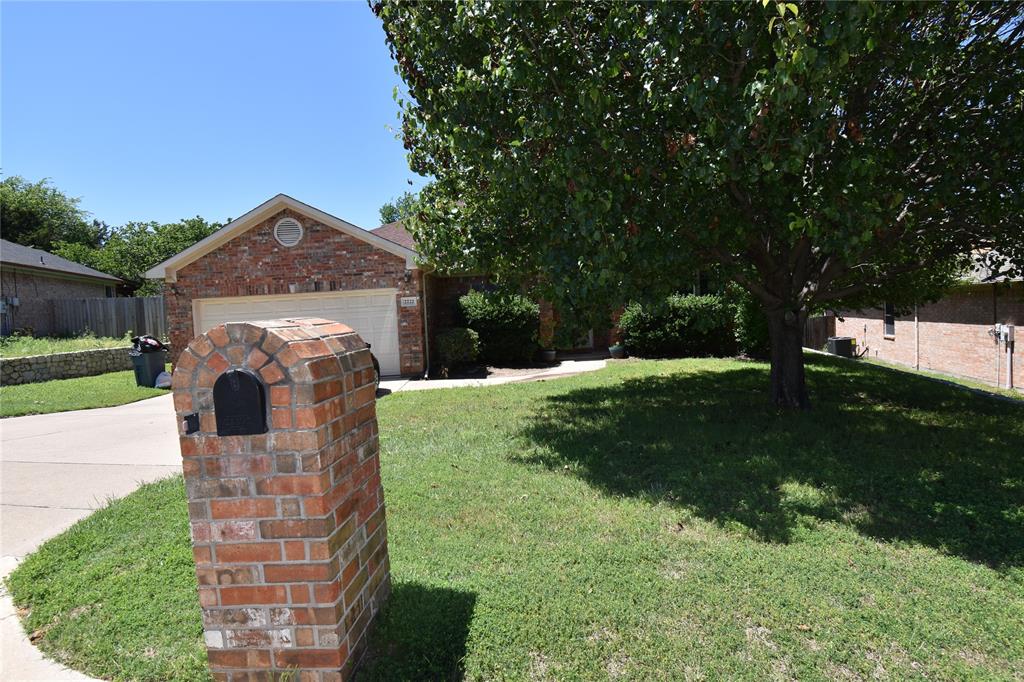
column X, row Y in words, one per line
column 135, row 247
column 822, row 153
column 400, row 207
column 39, row 215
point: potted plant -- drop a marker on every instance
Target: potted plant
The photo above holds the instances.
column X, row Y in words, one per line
column 616, row 349
column 546, row 333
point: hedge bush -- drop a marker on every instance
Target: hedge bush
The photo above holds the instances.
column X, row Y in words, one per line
column 507, row 323
column 457, row 346
column 751, row 325
column 680, row 326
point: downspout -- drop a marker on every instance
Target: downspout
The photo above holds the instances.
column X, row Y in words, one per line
column 1009, row 341
column 917, row 340
column 995, row 328
column 426, row 330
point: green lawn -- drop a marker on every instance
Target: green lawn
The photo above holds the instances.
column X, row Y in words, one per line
column 651, row 521
column 115, row 595
column 17, row 346
column 61, row 395
column 969, row 383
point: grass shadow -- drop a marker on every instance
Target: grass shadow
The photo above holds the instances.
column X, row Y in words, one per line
column 896, row 458
column 421, row 634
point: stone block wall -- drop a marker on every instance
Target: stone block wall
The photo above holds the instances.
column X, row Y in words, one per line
column 82, row 363
column 288, row 528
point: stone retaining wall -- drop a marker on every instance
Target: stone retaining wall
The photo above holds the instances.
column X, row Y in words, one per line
column 82, row 363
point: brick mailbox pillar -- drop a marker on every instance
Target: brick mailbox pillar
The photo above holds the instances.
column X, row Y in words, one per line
column 280, row 452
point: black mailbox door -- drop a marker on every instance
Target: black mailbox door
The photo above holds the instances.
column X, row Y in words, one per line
column 240, row 403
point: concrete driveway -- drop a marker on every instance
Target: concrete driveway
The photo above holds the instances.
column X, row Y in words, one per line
column 56, row 469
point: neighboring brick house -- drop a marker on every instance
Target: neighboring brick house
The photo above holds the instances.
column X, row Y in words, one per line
column 951, row 336
column 31, row 279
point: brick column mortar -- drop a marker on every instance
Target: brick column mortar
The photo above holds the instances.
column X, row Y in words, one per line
column 288, row 528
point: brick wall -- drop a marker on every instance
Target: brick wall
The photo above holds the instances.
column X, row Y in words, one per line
column 35, row 291
column 288, row 526
column 255, row 264
column 952, row 336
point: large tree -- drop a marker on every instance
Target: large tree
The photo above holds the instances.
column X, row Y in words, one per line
column 38, row 214
column 133, row 248
column 822, row 154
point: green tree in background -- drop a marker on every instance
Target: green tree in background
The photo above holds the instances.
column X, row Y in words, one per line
column 39, row 215
column 398, row 208
column 135, row 247
column 822, row 154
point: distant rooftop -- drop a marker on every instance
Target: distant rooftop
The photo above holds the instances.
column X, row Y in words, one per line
column 37, row 259
column 396, row 232
column 982, row 271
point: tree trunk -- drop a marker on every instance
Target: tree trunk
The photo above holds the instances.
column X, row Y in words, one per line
column 786, row 331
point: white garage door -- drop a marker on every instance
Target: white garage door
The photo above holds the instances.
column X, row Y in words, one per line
column 373, row 313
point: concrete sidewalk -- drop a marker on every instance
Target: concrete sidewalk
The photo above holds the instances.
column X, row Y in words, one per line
column 58, row 468
column 562, row 369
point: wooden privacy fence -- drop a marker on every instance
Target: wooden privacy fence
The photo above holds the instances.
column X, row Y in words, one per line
column 110, row 316
column 818, row 330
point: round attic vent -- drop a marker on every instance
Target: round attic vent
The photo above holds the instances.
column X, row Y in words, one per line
column 288, row 232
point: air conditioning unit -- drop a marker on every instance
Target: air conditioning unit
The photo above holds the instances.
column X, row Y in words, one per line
column 841, row 346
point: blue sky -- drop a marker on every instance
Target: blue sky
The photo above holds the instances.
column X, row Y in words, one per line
column 160, row 111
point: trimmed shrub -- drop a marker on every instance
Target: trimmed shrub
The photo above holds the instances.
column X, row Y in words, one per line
column 507, row 324
column 680, row 326
column 751, row 325
column 457, row 346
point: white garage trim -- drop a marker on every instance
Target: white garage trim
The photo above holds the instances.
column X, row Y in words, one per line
column 372, row 313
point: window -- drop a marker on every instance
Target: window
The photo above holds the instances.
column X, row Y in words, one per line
column 889, row 320
column 109, row 291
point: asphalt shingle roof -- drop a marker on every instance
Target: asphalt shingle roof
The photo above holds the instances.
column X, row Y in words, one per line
column 26, row 256
column 396, row 232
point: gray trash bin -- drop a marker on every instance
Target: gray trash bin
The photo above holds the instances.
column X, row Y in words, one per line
column 148, row 366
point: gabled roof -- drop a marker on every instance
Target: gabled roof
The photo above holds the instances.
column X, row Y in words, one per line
column 396, row 232
column 37, row 259
column 169, row 268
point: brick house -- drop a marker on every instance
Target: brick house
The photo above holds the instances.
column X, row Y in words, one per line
column 951, row 336
column 31, row 279
column 285, row 258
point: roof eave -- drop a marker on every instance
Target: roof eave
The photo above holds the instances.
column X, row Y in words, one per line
column 101, row 276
